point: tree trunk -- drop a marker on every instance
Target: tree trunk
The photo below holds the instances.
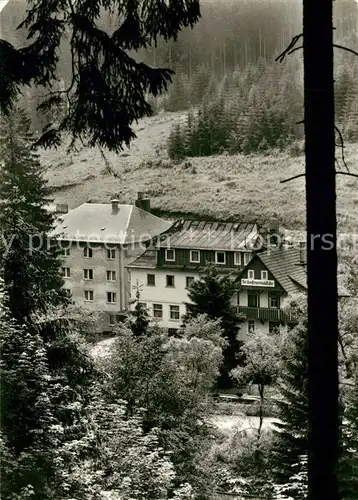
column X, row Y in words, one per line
column 261, row 414
column 321, row 258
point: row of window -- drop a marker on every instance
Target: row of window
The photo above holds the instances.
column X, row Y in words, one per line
column 89, row 296
column 88, row 253
column 88, row 274
column 251, row 274
column 170, row 280
column 174, row 311
column 220, row 257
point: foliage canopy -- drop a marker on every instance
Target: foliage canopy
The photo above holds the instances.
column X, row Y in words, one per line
column 108, row 86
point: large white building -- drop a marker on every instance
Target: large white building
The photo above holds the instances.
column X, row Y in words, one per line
column 265, row 276
column 165, row 270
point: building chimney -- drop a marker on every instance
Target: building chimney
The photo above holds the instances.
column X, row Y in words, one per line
column 143, row 203
column 303, row 253
column 115, row 206
column 274, row 225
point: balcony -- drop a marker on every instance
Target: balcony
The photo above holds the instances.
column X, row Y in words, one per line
column 266, row 314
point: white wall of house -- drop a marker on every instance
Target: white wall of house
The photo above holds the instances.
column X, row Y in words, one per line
column 99, row 264
column 242, row 299
column 264, row 299
column 161, row 294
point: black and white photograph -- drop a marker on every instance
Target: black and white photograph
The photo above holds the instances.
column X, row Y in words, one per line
column 179, row 249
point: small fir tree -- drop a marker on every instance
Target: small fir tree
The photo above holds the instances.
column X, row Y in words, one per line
column 291, row 438
column 36, row 284
column 212, row 294
column 138, row 317
column 176, row 146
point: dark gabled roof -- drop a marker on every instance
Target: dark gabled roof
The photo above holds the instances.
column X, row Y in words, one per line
column 210, row 235
column 284, row 264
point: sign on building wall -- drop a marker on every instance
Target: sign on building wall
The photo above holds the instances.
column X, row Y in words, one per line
column 251, row 282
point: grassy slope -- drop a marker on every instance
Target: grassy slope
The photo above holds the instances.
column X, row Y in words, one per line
column 221, row 186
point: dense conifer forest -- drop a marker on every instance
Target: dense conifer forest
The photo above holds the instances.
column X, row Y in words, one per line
column 238, row 98
column 194, row 413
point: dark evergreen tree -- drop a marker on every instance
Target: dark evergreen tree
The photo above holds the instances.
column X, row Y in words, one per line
column 176, row 146
column 138, row 317
column 199, row 84
column 348, row 467
column 30, row 267
column 100, row 109
column 190, row 143
column 220, row 126
column 178, row 95
column 34, row 288
column 344, row 93
column 204, row 130
column 28, row 425
column 291, row 438
column 212, row 295
column 36, row 284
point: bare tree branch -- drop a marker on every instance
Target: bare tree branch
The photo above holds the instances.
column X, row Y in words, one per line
column 304, row 175
column 347, row 173
column 341, row 146
column 296, row 48
column 289, row 48
column 345, row 48
column 292, row 178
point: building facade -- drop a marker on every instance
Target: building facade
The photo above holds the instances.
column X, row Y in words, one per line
column 97, row 241
column 264, row 283
column 164, row 271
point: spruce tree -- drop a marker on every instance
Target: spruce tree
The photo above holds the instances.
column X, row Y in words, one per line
column 212, row 295
column 36, row 284
column 100, row 109
column 189, row 135
column 35, row 288
column 348, row 467
column 199, row 84
column 30, row 268
column 178, row 98
column 345, row 92
column 291, row 438
column 27, row 421
column 138, row 318
column 175, row 146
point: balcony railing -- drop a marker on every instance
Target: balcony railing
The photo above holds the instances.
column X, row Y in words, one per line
column 266, row 314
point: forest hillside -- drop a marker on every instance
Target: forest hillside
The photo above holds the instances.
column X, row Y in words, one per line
column 215, row 186
column 228, row 123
